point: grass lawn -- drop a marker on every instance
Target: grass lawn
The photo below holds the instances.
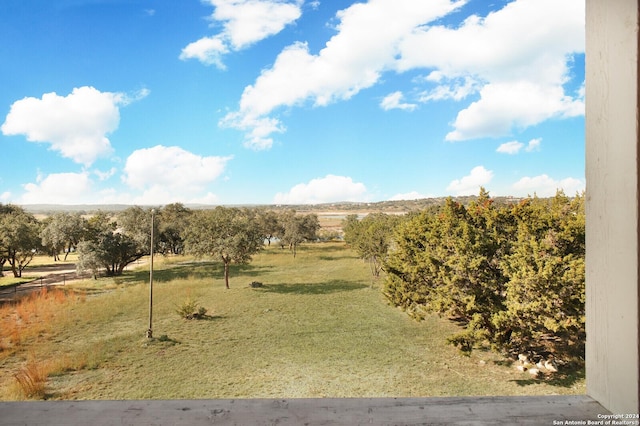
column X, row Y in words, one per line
column 40, row 261
column 9, row 279
column 316, row 329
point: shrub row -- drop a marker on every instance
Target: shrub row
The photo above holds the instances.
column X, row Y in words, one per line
column 511, row 275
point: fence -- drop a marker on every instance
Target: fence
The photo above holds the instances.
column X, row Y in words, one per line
column 15, row 291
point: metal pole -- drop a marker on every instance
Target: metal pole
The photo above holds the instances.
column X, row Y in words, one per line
column 150, row 330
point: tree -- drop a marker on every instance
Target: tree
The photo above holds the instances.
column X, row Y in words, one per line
column 228, row 234
column 351, row 228
column 371, row 237
column 544, row 308
column 446, row 261
column 475, row 262
column 90, row 258
column 173, row 220
column 114, row 245
column 63, row 232
column 135, row 223
column 97, row 224
column 269, row 224
column 4, row 252
column 297, row 229
column 513, row 275
column 19, row 237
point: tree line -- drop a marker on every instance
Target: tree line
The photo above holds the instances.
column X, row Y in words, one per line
column 107, row 243
column 513, row 275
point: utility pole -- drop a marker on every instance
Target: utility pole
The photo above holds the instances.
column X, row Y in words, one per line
column 150, row 330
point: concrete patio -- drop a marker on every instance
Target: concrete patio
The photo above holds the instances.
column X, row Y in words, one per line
column 538, row 410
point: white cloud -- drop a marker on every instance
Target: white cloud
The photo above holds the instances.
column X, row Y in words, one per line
column 125, row 99
column 581, row 91
column 249, row 21
column 208, row 198
column 508, row 105
column 413, row 195
column 105, row 175
column 330, row 188
column 58, row 188
column 394, row 101
column 520, row 54
column 156, row 196
column 534, row 145
column 511, row 148
column 514, row 147
column 516, row 60
column 258, row 129
column 75, row 125
column 244, row 23
column 208, row 50
column 157, row 175
column 170, row 174
column 545, row 186
column 470, row 184
column 456, row 89
column 5, row 197
column 510, row 43
column 352, row 60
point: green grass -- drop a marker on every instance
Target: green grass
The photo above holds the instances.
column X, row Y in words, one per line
column 9, row 279
column 40, row 261
column 318, row 328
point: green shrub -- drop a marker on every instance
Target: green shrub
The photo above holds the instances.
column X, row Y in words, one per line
column 191, row 309
column 512, row 275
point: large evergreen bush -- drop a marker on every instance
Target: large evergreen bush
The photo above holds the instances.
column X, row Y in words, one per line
column 512, row 275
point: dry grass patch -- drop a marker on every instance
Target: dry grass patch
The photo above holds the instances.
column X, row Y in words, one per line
column 31, row 317
column 31, row 379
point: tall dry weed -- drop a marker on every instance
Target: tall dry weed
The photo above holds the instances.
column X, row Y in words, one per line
column 30, row 317
column 32, row 379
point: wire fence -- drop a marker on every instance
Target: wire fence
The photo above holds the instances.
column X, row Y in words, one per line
column 14, row 292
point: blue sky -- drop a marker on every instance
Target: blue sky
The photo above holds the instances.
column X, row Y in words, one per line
column 289, row 101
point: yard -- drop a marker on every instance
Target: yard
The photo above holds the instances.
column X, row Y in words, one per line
column 318, row 327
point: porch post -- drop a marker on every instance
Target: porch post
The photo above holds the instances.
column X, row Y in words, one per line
column 612, row 204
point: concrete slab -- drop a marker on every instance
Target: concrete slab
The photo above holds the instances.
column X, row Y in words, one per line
column 537, row 410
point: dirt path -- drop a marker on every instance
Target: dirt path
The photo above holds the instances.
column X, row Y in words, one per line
column 47, row 276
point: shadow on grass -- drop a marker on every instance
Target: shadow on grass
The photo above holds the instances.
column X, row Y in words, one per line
column 336, row 257
column 327, row 287
column 92, row 291
column 162, row 339
column 564, row 380
column 194, row 270
column 205, row 317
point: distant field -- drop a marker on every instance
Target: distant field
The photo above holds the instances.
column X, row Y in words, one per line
column 318, row 328
column 35, row 269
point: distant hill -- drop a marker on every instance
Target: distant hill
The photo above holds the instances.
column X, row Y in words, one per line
column 82, row 208
column 399, row 206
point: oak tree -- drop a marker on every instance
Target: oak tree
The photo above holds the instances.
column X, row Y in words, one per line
column 224, row 233
column 19, row 237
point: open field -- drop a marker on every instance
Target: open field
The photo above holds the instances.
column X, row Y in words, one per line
column 317, row 328
column 41, row 265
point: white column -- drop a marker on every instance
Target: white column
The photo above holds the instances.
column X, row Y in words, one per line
column 612, row 203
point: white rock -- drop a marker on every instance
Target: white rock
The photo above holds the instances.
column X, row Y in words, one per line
column 551, row 366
